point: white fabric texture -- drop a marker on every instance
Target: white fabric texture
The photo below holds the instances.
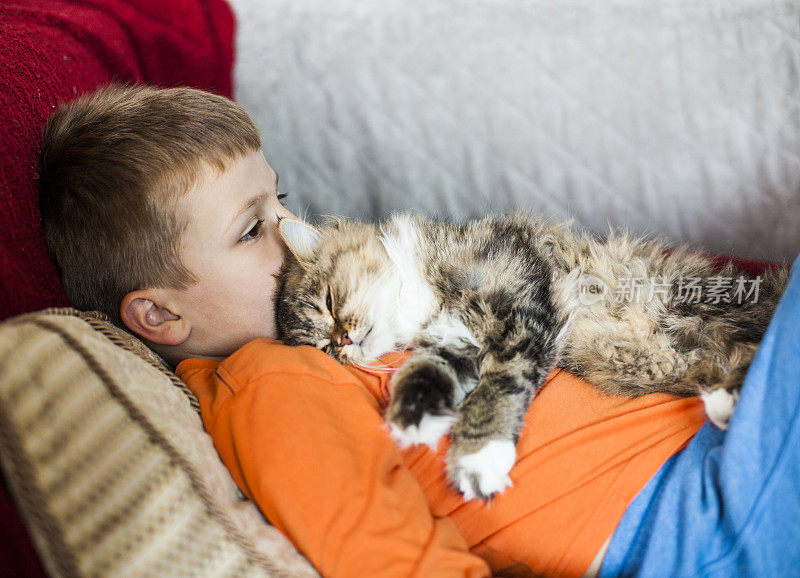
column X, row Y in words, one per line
column 671, row 117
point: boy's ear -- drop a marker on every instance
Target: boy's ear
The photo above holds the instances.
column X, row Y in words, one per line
column 142, row 313
column 300, row 238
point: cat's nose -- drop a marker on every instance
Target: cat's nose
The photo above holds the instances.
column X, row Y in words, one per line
column 340, row 337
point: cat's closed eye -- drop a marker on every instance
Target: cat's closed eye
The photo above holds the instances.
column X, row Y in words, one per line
column 329, row 300
column 311, row 305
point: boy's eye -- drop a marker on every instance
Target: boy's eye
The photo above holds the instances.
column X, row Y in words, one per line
column 253, row 233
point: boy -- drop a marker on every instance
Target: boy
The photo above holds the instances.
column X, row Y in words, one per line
column 161, row 211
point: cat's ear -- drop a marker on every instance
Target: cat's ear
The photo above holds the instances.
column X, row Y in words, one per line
column 300, row 238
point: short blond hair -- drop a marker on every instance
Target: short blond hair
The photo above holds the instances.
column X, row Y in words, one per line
column 114, row 165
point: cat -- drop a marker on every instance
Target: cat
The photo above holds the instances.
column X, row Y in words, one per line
column 491, row 306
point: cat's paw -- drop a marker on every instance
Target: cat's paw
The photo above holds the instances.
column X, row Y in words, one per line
column 484, row 473
column 720, row 404
column 421, row 409
column 428, row 431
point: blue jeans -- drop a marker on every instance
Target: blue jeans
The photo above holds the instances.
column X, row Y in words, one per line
column 729, row 503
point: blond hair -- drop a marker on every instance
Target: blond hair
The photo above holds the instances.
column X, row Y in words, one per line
column 113, row 166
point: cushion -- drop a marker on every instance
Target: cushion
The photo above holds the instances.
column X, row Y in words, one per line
column 104, row 451
column 53, row 50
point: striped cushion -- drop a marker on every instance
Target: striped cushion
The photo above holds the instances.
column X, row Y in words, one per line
column 104, row 452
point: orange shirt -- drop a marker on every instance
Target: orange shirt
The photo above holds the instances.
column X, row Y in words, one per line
column 304, row 438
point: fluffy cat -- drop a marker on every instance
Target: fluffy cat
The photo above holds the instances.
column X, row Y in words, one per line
column 491, row 306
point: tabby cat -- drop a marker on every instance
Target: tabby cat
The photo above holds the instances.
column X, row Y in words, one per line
column 491, row 306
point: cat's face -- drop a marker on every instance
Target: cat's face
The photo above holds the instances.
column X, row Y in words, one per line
column 338, row 291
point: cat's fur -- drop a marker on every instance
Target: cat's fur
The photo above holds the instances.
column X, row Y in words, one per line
column 491, row 306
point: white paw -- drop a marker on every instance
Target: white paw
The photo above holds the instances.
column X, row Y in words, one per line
column 485, row 473
column 429, row 431
column 720, row 404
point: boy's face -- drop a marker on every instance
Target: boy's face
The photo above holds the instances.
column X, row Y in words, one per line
column 233, row 248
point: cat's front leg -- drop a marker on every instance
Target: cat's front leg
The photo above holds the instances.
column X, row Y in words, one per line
column 423, row 396
column 485, row 436
column 518, row 355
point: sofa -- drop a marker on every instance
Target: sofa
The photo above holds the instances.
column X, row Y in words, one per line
column 673, row 118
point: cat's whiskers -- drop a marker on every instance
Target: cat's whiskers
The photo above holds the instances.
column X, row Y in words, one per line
column 372, row 365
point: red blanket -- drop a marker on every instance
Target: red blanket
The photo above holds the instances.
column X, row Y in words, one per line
column 53, row 50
